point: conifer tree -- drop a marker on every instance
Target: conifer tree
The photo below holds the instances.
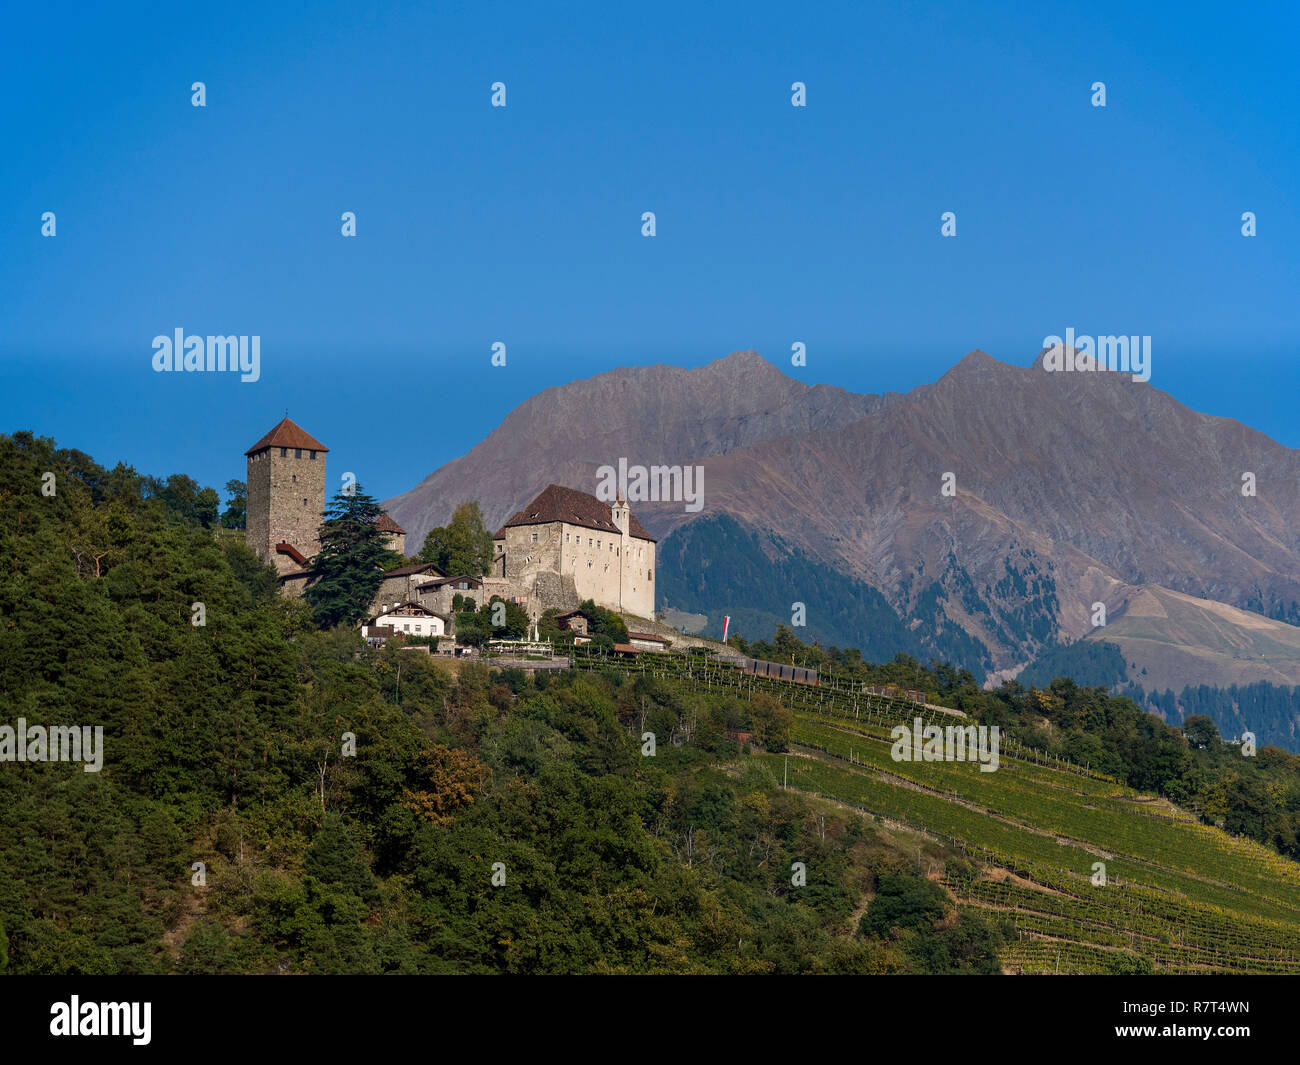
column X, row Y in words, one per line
column 350, row 566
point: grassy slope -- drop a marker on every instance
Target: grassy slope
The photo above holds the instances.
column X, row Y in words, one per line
column 1180, row 640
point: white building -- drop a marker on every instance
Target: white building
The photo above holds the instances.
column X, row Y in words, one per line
column 407, row 619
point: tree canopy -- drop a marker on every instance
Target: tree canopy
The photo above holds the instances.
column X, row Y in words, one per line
column 462, row 547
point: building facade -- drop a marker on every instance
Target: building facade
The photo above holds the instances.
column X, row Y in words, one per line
column 567, row 546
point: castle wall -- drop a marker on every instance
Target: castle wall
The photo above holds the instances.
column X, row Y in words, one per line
column 637, row 583
column 614, row 570
column 286, row 502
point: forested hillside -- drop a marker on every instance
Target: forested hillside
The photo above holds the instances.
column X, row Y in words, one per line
column 1270, row 711
column 276, row 798
column 224, row 746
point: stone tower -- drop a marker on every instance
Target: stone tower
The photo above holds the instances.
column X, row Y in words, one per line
column 394, row 534
column 286, row 497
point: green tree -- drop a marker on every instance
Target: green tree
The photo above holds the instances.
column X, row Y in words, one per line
column 235, row 514
column 350, row 566
column 259, row 578
column 335, row 858
column 184, row 499
column 462, row 547
column 1200, row 730
column 604, row 622
column 514, row 619
column 903, row 902
column 770, row 721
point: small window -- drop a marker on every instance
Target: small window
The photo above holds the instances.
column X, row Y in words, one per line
column 588, row 563
column 297, row 452
column 597, row 545
column 534, row 540
column 283, row 452
column 649, row 574
column 304, row 502
column 566, row 538
column 313, row 455
column 293, row 479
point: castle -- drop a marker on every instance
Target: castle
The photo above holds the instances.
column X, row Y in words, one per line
column 566, row 546
column 562, row 548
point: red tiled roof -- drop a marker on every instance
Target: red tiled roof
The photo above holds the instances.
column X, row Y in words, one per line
column 476, row 582
column 557, row 503
column 645, row 636
column 386, row 524
column 286, row 434
column 406, row 571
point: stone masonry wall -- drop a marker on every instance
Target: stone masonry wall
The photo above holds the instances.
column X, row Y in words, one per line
column 286, row 501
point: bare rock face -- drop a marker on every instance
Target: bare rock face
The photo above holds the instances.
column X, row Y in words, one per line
column 1064, row 489
column 648, row 415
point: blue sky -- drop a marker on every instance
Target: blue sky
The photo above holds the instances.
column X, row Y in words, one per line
column 522, row 224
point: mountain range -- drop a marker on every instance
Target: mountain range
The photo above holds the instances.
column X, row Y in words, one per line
column 980, row 518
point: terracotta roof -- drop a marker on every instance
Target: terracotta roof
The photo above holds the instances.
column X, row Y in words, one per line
column 286, row 434
column 476, row 581
column 386, row 524
column 557, row 503
column 406, row 571
column 645, row 636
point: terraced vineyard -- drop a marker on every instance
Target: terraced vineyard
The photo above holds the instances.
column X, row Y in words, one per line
column 1183, row 896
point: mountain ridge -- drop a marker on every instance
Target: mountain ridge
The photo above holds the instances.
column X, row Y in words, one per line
column 1067, row 489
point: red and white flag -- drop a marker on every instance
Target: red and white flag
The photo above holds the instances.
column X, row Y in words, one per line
column 726, row 620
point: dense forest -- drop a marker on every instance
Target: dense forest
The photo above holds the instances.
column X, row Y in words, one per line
column 1270, row 711
column 276, row 797
column 715, row 563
